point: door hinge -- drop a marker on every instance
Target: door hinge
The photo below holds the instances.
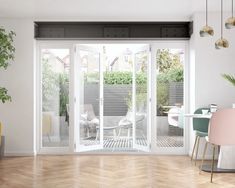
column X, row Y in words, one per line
column 74, row 145
column 75, row 49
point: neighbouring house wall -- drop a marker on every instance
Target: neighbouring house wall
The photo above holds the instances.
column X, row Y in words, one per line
column 207, row 65
column 18, row 116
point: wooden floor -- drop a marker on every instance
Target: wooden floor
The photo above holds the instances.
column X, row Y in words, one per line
column 98, row 171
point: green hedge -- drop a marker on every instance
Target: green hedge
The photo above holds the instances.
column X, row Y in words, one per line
column 112, row 78
column 115, row 78
column 55, row 82
column 172, row 75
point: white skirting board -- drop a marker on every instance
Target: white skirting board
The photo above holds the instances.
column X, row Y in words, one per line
column 19, row 154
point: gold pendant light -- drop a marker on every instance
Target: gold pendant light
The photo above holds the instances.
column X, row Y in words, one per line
column 230, row 22
column 206, row 30
column 222, row 42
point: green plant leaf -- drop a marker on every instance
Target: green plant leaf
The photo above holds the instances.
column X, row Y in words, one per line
column 4, row 95
column 7, row 52
column 7, row 48
column 229, row 78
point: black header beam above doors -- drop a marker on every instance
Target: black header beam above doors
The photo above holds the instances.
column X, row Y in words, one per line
column 113, row 30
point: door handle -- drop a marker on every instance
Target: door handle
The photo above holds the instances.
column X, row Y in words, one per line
column 101, row 101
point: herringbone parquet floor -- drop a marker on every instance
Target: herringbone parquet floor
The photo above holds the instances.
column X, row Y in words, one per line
column 111, row 171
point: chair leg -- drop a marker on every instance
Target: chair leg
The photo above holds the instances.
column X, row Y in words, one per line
column 119, row 132
column 128, row 136
column 213, row 161
column 128, row 133
column 194, row 146
column 218, row 150
column 203, row 157
column 198, row 143
column 97, row 134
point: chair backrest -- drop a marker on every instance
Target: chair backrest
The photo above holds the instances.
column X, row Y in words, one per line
column 90, row 111
column 138, row 118
column 176, row 117
column 222, row 127
column 173, row 116
column 200, row 124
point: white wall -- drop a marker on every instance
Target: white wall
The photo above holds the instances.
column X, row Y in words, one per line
column 210, row 63
column 105, row 10
column 207, row 85
column 18, row 116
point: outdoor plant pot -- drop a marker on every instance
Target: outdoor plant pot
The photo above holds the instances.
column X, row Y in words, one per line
column 2, row 146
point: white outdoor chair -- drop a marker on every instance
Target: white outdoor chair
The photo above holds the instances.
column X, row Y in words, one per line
column 126, row 123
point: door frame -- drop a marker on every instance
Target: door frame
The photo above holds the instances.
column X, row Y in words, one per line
column 70, row 44
column 78, row 146
column 145, row 48
column 171, row 150
column 38, row 97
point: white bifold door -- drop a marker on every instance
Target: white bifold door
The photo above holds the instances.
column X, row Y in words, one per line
column 90, row 129
column 141, row 91
column 88, row 116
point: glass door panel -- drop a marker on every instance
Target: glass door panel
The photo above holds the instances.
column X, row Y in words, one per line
column 55, row 68
column 89, row 108
column 169, row 68
column 141, row 98
column 118, row 72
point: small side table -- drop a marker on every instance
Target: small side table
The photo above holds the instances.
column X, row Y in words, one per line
column 114, row 129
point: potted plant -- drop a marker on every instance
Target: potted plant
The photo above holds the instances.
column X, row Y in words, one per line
column 231, row 79
column 7, row 51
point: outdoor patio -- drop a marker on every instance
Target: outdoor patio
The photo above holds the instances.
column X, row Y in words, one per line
column 168, row 136
column 117, row 99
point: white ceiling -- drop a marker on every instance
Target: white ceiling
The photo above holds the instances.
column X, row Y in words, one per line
column 152, row 10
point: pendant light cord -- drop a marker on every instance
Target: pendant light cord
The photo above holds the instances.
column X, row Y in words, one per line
column 221, row 19
column 206, row 12
column 232, row 8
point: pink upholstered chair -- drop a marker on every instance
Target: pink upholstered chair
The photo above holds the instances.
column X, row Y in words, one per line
column 221, row 131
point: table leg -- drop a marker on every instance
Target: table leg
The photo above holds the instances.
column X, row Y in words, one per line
column 203, row 157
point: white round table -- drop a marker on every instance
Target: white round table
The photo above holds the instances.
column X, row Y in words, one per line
column 227, row 153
